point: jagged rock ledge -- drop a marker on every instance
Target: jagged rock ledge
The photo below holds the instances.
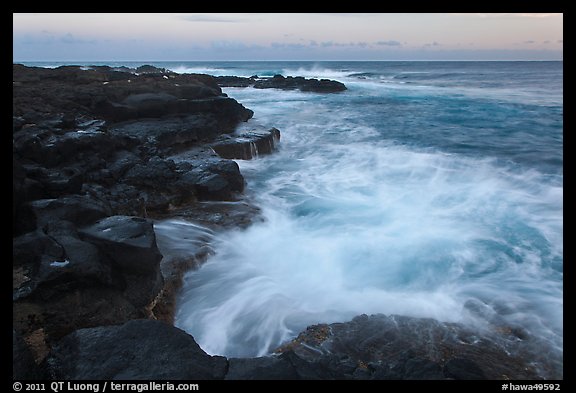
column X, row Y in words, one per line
column 368, row 347
column 247, row 145
column 96, row 153
column 282, row 82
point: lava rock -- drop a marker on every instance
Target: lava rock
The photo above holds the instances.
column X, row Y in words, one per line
column 47, row 265
column 95, row 142
column 262, row 368
column 248, row 145
column 65, row 279
column 216, row 180
column 235, row 81
column 78, row 209
column 139, row 349
column 284, row 83
column 401, row 347
column 288, row 365
column 130, row 243
column 23, row 365
column 462, row 368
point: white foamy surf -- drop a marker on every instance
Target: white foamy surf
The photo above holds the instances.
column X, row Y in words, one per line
column 367, row 214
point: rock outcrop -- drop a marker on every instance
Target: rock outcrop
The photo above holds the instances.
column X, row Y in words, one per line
column 247, row 145
column 23, row 365
column 109, row 134
column 284, row 83
column 137, row 350
column 66, row 278
column 118, row 95
column 376, row 347
column 401, row 347
column 94, row 156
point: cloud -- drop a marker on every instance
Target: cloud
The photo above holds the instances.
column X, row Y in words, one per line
column 336, row 44
column 47, row 38
column 228, row 45
column 538, row 15
column 509, row 15
column 284, row 45
column 430, row 44
column 328, row 44
column 69, row 38
column 389, row 43
column 529, row 42
column 210, row 18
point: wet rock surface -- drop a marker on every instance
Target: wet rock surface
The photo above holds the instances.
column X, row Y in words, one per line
column 139, row 349
column 248, row 145
column 375, row 347
column 401, row 347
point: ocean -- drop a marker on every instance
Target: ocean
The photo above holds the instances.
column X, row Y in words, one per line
column 427, row 189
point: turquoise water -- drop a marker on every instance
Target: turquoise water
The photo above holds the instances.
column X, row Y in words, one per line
column 423, row 186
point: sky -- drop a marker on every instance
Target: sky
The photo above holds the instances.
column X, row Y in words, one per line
column 282, row 36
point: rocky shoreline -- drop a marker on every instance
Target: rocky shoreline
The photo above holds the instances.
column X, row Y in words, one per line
column 99, row 155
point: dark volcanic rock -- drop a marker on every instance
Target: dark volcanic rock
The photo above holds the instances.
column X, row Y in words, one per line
column 407, row 367
column 284, row 83
column 160, row 185
column 65, row 279
column 72, row 264
column 163, row 184
column 117, row 95
column 148, row 69
column 235, row 81
column 247, row 145
column 217, row 180
column 399, row 347
column 71, row 310
column 157, row 105
column 292, row 83
column 23, row 365
column 262, row 368
column 288, row 365
column 91, row 150
column 130, row 243
column 51, row 147
column 137, row 350
column 156, row 172
column 78, row 209
column 62, row 145
column 462, row 368
column 218, row 214
column 173, row 134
